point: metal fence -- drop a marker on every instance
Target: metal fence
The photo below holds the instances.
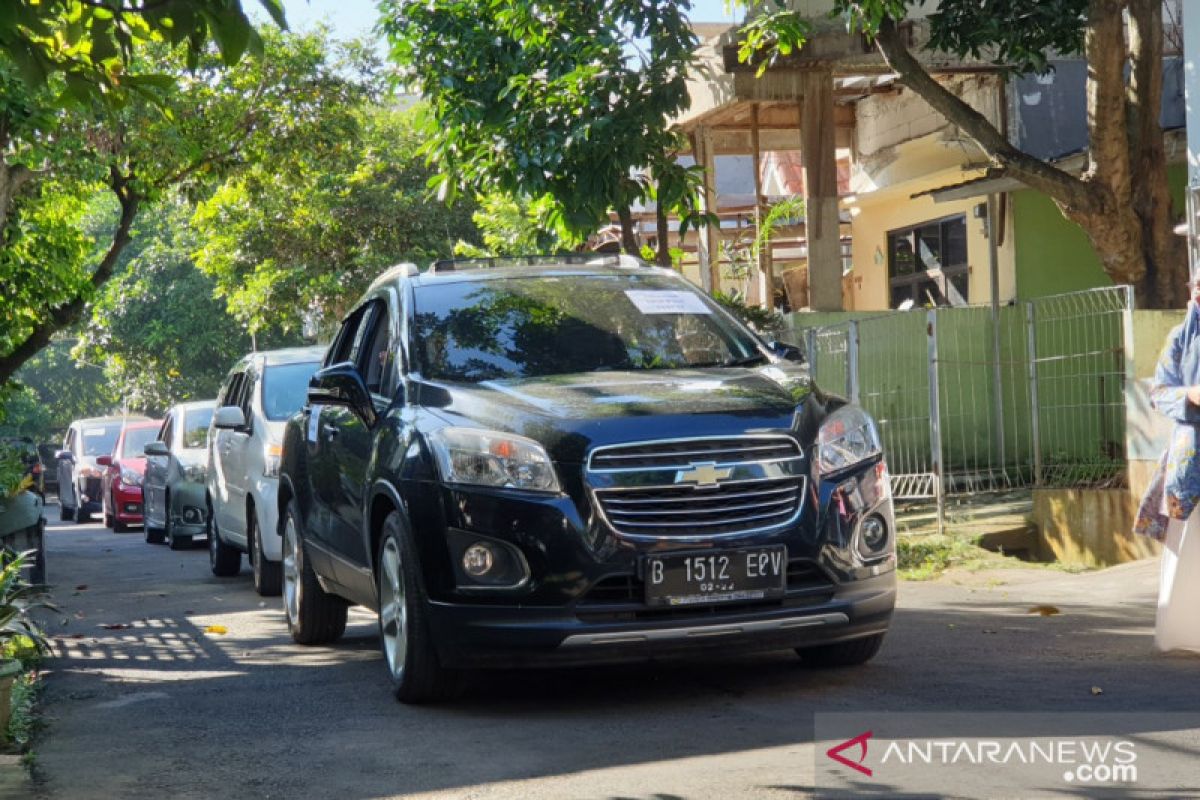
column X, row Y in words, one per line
column 981, row 399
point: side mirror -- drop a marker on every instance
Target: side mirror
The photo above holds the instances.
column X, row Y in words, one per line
column 229, row 418
column 64, row 455
column 104, row 461
column 341, row 385
column 788, row 352
column 156, row 449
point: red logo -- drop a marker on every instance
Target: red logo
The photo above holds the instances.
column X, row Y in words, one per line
column 835, row 753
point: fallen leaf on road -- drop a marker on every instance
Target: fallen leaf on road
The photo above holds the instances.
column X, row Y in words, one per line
column 1045, row 611
column 115, row 626
column 220, row 629
column 81, row 587
column 80, row 615
column 1097, row 690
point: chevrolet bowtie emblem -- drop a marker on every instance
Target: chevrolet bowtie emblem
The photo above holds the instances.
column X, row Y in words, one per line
column 703, row 474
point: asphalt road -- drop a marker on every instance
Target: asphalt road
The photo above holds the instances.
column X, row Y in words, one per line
column 164, row 708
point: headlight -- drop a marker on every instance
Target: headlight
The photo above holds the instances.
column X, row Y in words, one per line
column 130, row 477
column 491, row 458
column 847, row 437
column 271, row 460
column 195, row 472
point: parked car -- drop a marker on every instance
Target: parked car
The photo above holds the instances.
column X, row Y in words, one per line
column 46, row 451
column 28, row 453
column 80, row 478
column 244, row 445
column 124, row 471
column 176, row 464
column 577, row 463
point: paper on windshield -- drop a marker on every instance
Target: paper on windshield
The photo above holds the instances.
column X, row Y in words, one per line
column 666, row 302
column 95, row 431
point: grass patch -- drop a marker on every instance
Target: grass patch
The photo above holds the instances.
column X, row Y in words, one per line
column 24, row 721
column 924, row 557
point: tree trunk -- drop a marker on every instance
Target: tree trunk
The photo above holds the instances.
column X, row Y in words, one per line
column 662, row 226
column 68, row 314
column 628, row 240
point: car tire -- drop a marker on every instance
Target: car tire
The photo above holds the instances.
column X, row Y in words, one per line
column 404, row 635
column 65, row 514
column 81, row 515
column 842, row 654
column 117, row 526
column 108, row 520
column 268, row 575
column 154, row 535
column 224, row 560
column 313, row 615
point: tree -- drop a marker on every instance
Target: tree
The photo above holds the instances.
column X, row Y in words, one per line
column 1121, row 200
column 301, row 236
column 212, row 123
column 55, row 388
column 93, row 43
column 157, row 327
column 514, row 227
column 533, row 98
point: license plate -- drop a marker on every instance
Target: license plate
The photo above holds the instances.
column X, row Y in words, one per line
column 715, row 576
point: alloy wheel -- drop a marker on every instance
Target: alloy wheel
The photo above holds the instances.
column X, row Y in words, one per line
column 291, row 570
column 393, row 609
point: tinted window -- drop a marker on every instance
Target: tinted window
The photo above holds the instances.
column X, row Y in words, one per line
column 284, row 389
column 99, row 440
column 553, row 325
column 195, row 427
column 136, row 440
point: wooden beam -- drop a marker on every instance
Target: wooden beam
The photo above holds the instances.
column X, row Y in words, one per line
column 819, row 153
column 710, row 239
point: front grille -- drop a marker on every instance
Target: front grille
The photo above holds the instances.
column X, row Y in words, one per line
column 93, row 488
column 687, row 510
column 683, row 453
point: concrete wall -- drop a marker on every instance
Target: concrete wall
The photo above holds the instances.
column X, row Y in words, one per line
column 1088, row 527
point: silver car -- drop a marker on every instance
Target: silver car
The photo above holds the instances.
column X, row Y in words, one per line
column 173, row 489
column 244, row 447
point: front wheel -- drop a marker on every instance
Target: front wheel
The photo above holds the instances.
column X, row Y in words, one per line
column 412, row 663
column 313, row 615
column 842, row 654
column 224, row 560
column 268, row 575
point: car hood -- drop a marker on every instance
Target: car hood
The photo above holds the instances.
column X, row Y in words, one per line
column 137, row 465
column 569, row 414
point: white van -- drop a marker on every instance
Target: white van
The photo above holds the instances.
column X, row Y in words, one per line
column 244, row 445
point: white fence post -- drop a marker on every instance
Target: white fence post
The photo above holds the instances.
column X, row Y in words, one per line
column 852, row 382
column 935, row 420
column 1034, row 421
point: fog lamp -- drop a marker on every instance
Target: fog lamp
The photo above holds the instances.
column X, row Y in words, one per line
column 478, row 560
column 874, row 533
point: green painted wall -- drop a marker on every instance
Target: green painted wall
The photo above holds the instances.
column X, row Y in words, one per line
column 1053, row 255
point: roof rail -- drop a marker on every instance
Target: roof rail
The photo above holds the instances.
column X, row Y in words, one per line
column 405, row 269
column 619, row 260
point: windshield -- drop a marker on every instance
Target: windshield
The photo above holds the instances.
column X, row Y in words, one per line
column 195, row 427
column 559, row 324
column 99, row 440
column 284, row 388
column 136, row 440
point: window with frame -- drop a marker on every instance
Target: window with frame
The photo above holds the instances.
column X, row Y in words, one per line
column 927, row 263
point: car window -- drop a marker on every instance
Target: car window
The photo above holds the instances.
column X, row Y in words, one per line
column 246, row 396
column 343, row 344
column 285, row 387
column 99, row 440
column 555, row 324
column 229, row 394
column 69, row 442
column 167, row 431
column 374, row 358
column 195, row 427
column 136, row 440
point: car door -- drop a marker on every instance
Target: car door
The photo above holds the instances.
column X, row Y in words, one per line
column 352, row 448
column 66, row 474
column 235, row 459
column 154, row 485
column 221, row 444
column 326, row 424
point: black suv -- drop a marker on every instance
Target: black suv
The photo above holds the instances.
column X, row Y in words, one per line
column 577, row 462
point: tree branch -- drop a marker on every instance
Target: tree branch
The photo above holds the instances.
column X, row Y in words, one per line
column 1062, row 187
column 70, row 312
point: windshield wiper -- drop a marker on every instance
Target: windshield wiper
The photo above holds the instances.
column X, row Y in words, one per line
column 745, row 361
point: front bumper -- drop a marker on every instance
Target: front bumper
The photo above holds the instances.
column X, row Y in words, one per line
column 513, row 636
column 127, row 502
column 189, row 512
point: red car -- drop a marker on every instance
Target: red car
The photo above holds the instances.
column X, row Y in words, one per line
column 123, row 473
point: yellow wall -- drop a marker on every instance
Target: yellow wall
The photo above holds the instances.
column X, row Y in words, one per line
column 887, row 210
